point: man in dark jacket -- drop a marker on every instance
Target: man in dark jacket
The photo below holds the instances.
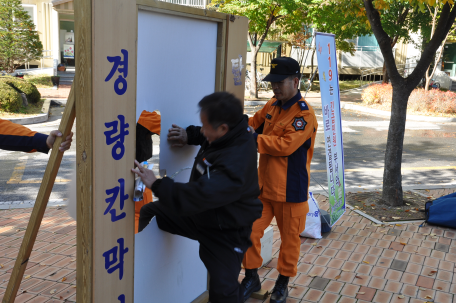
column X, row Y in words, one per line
column 220, row 203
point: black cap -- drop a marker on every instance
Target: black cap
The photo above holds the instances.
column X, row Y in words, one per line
column 282, row 68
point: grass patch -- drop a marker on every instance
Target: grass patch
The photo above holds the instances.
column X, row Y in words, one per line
column 343, row 85
column 40, row 81
column 30, row 110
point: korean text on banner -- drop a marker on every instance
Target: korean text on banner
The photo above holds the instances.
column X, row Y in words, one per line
column 332, row 122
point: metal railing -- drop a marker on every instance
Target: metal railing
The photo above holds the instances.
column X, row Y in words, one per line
column 27, row 64
column 403, row 69
column 193, row 3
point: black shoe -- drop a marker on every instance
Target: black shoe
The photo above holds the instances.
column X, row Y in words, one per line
column 280, row 291
column 251, row 282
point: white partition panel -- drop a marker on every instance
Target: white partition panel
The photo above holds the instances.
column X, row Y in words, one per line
column 176, row 68
column 167, row 267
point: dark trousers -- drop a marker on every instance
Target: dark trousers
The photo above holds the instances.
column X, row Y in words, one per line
column 221, row 251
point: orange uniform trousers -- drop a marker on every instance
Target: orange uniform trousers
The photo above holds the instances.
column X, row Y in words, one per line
column 291, row 220
column 147, row 198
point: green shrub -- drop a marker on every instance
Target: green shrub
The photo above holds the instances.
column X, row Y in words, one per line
column 10, row 99
column 33, row 95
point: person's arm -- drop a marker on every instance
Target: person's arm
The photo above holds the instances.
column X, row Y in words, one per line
column 290, row 139
column 186, row 199
column 16, row 137
column 257, row 121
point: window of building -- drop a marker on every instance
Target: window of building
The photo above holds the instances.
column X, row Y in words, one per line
column 30, row 9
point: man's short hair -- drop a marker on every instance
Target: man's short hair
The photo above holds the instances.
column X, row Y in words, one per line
column 220, row 108
column 291, row 77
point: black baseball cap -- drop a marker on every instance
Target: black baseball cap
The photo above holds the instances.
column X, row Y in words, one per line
column 282, row 68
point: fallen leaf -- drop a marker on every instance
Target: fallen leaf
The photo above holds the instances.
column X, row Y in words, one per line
column 428, row 297
column 64, row 279
column 337, row 277
column 73, row 286
column 396, row 218
column 403, row 243
column 398, row 224
column 432, row 272
column 407, row 210
column 383, row 218
column 401, row 296
column 24, row 291
column 377, row 225
column 314, row 244
column 319, row 246
column 434, row 237
column 407, row 204
column 439, row 288
column 292, row 286
column 358, row 277
column 53, row 291
column 383, row 231
column 373, row 207
column 312, row 275
column 372, row 204
column 366, row 262
column 360, row 292
column 61, row 298
column 307, row 262
column 1, row 265
column 26, row 277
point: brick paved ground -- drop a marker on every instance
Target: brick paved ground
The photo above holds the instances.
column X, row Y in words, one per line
column 357, row 262
column 62, row 93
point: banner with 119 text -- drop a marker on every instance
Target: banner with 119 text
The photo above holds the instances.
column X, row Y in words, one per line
column 332, row 122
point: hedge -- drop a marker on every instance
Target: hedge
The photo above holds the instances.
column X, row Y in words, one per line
column 10, row 99
column 33, row 95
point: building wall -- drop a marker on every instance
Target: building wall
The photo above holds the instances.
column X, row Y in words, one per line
column 47, row 27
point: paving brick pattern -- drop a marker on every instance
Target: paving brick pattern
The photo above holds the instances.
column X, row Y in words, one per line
column 51, row 272
column 356, row 262
column 360, row 262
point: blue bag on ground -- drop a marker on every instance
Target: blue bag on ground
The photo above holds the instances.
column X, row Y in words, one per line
column 442, row 211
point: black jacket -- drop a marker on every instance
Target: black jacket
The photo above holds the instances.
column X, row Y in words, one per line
column 227, row 196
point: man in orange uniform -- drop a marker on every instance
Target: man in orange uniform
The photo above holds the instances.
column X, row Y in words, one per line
column 16, row 137
column 149, row 123
column 285, row 131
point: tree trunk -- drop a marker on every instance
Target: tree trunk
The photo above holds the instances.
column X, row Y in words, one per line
column 253, row 71
column 428, row 79
column 392, row 177
column 386, row 77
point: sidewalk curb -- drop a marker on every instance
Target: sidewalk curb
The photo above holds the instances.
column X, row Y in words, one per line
column 34, row 119
column 30, row 203
column 388, row 114
column 376, row 112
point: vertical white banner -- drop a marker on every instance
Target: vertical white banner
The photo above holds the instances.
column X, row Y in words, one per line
column 332, row 122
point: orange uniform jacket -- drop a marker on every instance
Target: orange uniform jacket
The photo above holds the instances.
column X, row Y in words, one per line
column 19, row 138
column 152, row 122
column 285, row 138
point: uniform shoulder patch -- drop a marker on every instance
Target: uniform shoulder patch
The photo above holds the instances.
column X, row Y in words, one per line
column 268, row 116
column 299, row 123
column 303, row 105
